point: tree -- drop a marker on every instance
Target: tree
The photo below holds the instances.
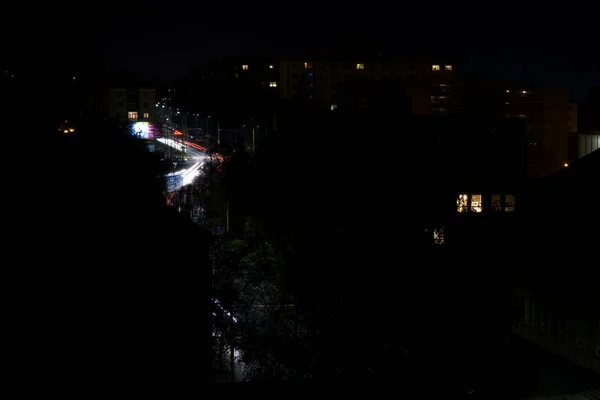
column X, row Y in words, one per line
column 321, row 229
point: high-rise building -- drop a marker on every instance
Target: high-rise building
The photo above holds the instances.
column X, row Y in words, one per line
column 546, row 111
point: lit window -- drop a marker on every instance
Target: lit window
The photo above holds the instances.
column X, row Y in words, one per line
column 438, row 235
column 245, row 67
column 360, row 66
column 132, row 115
column 146, row 115
column 308, row 65
column 496, row 202
column 510, row 203
column 476, row 203
column 333, row 107
column 448, row 67
column 272, row 84
column 435, row 67
column 462, row 202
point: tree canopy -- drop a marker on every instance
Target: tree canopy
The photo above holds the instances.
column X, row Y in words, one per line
column 110, row 295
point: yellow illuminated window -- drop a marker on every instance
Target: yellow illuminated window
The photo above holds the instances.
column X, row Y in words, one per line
column 438, row 235
column 462, row 202
column 496, row 202
column 132, row 115
column 307, row 65
column 476, row 203
column 360, row 66
column 146, row 115
column 245, row 67
column 435, row 67
column 509, row 205
column 448, row 67
column 272, row 84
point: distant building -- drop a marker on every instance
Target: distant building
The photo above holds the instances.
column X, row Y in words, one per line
column 323, row 82
column 132, row 104
column 546, row 111
column 428, row 85
column 234, row 85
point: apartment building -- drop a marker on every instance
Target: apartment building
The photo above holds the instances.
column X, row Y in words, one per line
column 547, row 113
column 428, row 85
column 559, row 307
column 132, row 104
column 324, row 83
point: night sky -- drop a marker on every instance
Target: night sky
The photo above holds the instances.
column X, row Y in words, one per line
column 553, row 48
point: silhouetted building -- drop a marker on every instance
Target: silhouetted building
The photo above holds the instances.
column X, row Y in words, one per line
column 483, row 172
column 559, row 307
column 549, row 116
column 240, row 85
column 590, row 111
column 573, row 117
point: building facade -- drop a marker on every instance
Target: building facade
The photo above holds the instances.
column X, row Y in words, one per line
column 132, row 104
column 323, row 82
column 546, row 111
column 428, row 85
column 559, row 307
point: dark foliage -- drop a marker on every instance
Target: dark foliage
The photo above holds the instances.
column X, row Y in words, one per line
column 105, row 295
